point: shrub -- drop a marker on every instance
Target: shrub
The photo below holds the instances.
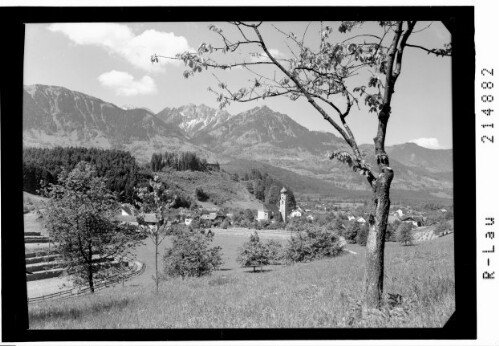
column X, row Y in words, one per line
column 278, row 217
column 195, row 224
column 391, row 232
column 225, row 224
column 275, row 250
column 314, row 242
column 190, row 255
column 248, row 215
column 361, row 238
column 253, row 253
column 275, row 225
column 404, row 233
column 244, row 223
column 296, row 224
column 350, row 233
column 264, row 224
column 201, row 195
column 449, row 215
column 442, row 226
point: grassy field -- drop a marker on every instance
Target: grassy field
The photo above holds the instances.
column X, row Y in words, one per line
column 324, row 293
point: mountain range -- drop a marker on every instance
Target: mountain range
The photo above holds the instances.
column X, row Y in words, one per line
column 57, row 116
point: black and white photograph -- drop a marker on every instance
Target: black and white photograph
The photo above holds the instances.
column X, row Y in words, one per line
column 254, row 174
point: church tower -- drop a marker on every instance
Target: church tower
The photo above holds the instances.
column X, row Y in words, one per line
column 282, row 204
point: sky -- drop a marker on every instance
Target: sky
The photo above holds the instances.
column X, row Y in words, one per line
column 111, row 61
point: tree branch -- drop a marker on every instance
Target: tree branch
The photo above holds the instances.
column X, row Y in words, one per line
column 437, row 52
column 304, row 91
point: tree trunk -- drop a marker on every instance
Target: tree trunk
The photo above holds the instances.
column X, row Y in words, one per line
column 375, row 246
column 91, row 278
column 156, row 261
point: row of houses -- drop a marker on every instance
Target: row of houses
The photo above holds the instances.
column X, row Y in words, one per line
column 210, row 216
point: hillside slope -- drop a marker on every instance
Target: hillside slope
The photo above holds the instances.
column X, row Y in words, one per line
column 223, row 191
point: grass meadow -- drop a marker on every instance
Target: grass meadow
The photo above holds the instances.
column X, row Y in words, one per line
column 320, row 294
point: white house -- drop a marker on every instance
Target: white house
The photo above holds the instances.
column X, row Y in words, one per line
column 310, row 217
column 295, row 213
column 262, row 215
column 400, row 213
column 127, row 210
column 361, row 220
column 350, row 218
column 188, row 221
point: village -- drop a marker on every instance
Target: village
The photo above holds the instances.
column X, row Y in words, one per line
column 347, row 212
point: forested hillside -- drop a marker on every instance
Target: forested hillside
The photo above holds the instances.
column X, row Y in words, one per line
column 118, row 167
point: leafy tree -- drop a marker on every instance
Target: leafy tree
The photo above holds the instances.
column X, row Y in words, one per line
column 350, row 233
column 248, row 215
column 277, row 217
column 191, row 255
column 249, row 187
column 323, row 75
column 449, row 215
column 254, row 253
column 33, row 175
column 311, row 243
column 404, row 233
column 273, row 195
column 259, row 190
column 391, row 231
column 338, row 225
column 361, row 238
column 201, row 195
column 290, row 200
column 79, row 218
column 442, row 226
column 275, row 251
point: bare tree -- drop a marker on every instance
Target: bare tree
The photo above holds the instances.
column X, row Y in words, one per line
column 323, row 75
column 155, row 202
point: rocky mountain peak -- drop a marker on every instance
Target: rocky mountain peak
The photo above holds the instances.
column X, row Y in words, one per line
column 194, row 119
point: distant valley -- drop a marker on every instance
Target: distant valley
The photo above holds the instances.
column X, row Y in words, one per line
column 260, row 137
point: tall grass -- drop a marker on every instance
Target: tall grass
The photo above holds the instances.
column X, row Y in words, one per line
column 323, row 293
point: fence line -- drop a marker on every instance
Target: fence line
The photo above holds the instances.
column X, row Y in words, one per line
column 113, row 280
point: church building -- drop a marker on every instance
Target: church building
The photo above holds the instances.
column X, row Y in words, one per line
column 282, row 204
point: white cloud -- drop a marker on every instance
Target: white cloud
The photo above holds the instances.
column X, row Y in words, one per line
column 430, row 143
column 119, row 39
column 257, row 57
column 124, row 84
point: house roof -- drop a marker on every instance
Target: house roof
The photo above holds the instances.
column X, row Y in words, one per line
column 150, row 218
column 283, row 190
column 127, row 209
column 410, row 218
column 210, row 216
column 125, row 218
